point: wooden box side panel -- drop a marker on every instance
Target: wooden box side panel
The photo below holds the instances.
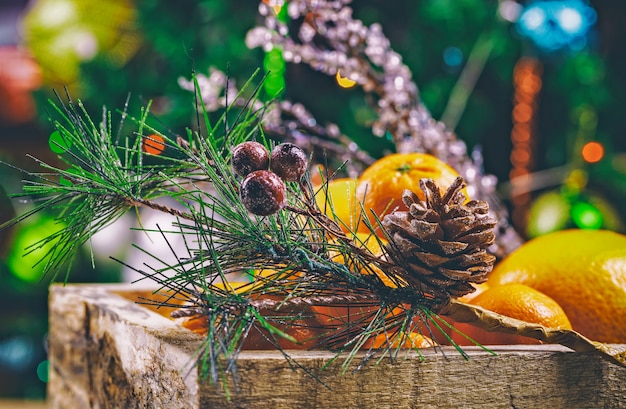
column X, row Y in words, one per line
column 106, row 351
column 109, row 352
column 529, row 377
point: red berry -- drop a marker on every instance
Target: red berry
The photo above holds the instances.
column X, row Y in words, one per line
column 248, row 157
column 288, row 161
column 262, row 192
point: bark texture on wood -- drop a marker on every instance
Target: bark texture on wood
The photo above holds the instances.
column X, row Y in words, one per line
column 107, row 351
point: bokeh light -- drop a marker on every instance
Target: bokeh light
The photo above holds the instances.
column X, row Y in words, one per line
column 43, row 370
column 592, row 152
column 553, row 25
column 276, row 5
column 153, row 144
column 344, row 82
column 586, row 216
column 453, row 57
column 274, row 66
column 26, row 259
column 58, row 143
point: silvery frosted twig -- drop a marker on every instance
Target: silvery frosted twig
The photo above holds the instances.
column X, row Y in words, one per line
column 286, row 121
column 324, row 35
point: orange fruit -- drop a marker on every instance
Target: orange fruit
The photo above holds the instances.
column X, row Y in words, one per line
column 480, row 288
column 523, row 303
column 584, row 271
column 334, row 316
column 338, row 201
column 381, row 184
column 517, row 301
column 296, row 321
column 337, row 314
column 411, row 340
column 375, row 245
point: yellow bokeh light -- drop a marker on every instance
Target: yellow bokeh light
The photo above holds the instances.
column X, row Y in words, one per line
column 276, row 5
column 344, row 82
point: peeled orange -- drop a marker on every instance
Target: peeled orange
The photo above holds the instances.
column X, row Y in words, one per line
column 584, row 271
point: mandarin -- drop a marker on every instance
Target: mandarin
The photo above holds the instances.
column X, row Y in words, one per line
column 376, row 246
column 517, row 301
column 337, row 199
column 584, row 271
column 334, row 315
column 298, row 322
column 381, row 184
column 410, row 340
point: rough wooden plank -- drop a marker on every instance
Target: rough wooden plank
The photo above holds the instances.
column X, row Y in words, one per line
column 107, row 351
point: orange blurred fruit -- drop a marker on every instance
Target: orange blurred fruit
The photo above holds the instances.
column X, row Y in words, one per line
column 298, row 322
column 338, row 314
column 410, row 340
column 375, row 245
column 523, row 303
column 517, row 301
column 584, row 271
column 381, row 184
column 338, row 201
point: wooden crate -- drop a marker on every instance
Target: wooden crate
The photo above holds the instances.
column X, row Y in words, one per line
column 107, row 351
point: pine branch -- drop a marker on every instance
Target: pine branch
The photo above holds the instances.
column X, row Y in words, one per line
column 241, row 273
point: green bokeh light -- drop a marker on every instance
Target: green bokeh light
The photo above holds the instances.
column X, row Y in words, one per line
column 274, row 61
column 26, row 262
column 58, row 144
column 586, row 216
column 548, row 213
column 43, row 370
column 74, row 171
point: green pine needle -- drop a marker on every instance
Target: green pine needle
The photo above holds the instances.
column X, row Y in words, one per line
column 243, row 274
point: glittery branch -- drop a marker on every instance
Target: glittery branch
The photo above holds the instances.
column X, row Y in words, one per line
column 286, row 121
column 325, row 36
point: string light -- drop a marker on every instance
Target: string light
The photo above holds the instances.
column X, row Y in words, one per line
column 344, row 82
column 586, row 216
column 554, row 25
column 153, row 144
column 58, row 143
column 592, row 152
column 527, row 84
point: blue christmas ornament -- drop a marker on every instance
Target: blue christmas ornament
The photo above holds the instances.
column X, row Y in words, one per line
column 557, row 24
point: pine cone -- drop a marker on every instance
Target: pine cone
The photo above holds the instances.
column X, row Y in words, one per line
column 441, row 243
